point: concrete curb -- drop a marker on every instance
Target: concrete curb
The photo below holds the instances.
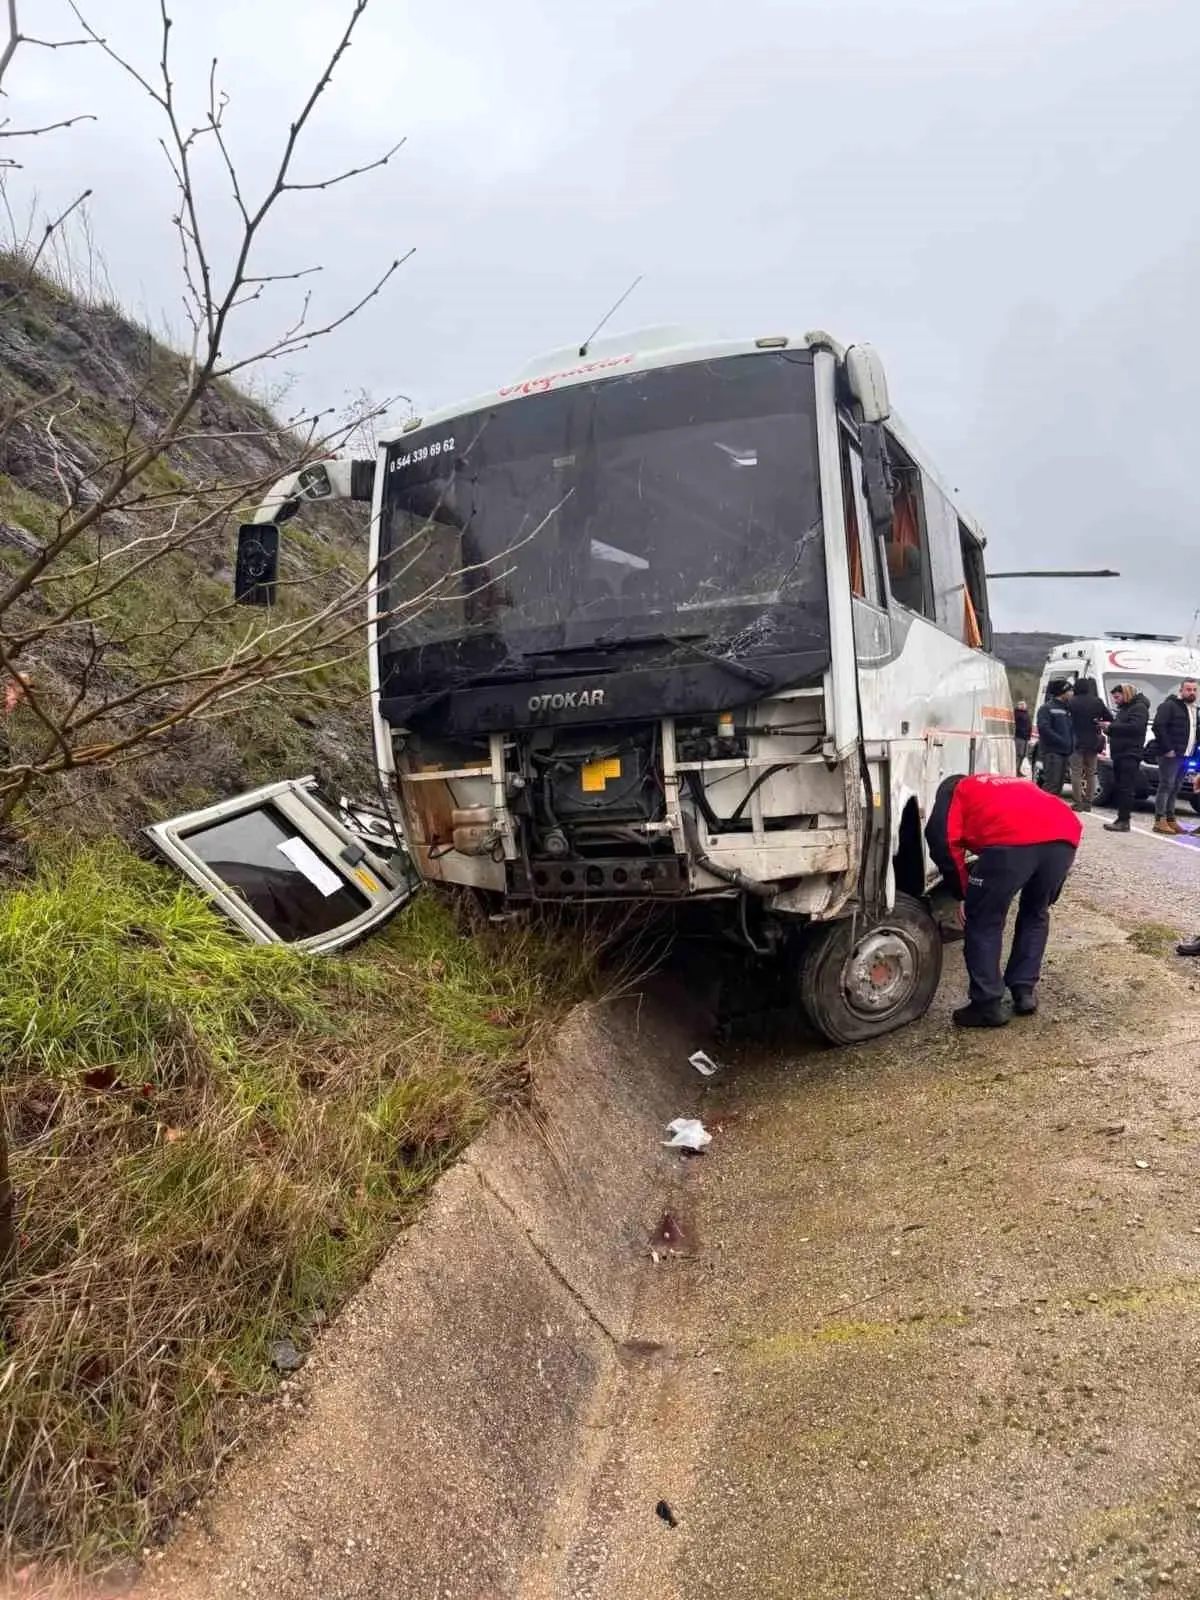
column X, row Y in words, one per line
column 449, row 1411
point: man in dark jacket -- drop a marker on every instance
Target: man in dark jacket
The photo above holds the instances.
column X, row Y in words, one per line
column 1175, row 740
column 1023, row 841
column 1089, row 716
column 1056, row 734
column 1127, row 746
column 1022, row 728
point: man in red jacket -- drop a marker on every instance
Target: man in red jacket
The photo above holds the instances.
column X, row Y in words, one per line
column 1023, row 842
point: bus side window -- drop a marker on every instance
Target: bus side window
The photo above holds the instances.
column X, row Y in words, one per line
column 861, row 548
column 977, row 625
column 906, row 547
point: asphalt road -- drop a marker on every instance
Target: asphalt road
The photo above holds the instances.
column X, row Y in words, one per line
column 939, row 1334
column 1142, row 875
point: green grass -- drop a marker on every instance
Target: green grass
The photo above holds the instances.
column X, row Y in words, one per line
column 211, row 1143
column 1153, row 938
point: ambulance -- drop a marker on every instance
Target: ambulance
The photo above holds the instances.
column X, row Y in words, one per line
column 1155, row 663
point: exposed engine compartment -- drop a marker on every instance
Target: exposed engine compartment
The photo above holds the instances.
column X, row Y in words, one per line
column 711, row 804
column 592, row 813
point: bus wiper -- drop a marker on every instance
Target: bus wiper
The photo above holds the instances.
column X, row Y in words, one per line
column 761, row 680
column 605, row 645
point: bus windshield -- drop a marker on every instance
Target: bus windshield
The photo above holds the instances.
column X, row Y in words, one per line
column 676, row 503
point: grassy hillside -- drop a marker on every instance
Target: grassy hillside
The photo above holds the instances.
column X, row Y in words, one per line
column 210, row 1143
column 79, row 386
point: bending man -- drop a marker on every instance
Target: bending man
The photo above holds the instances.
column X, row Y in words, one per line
column 1023, row 842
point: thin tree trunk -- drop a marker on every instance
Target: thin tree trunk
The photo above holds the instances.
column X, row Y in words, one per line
column 8, row 1211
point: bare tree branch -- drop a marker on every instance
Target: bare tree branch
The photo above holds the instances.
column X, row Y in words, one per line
column 110, row 680
column 11, row 45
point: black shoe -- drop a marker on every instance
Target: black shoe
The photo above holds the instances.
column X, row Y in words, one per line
column 1118, row 826
column 1024, row 1000
column 1190, row 948
column 1081, row 808
column 989, row 1015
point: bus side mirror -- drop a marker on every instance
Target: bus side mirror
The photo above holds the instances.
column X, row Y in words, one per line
column 868, row 382
column 257, row 571
column 878, row 483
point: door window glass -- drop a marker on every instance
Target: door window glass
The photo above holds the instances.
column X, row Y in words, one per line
column 282, row 878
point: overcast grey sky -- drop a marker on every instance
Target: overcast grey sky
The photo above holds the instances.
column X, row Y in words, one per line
column 1000, row 194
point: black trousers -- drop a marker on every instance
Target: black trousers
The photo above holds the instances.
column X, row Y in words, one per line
column 1035, row 872
column 1055, row 770
column 1125, row 776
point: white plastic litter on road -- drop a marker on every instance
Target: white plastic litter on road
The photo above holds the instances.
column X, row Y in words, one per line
column 688, row 1133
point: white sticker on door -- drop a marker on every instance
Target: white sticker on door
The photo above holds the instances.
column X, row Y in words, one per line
column 319, row 873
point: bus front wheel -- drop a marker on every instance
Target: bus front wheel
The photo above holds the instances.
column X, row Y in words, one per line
column 858, row 981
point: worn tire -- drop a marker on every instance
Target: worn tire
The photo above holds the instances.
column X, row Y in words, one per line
column 1106, row 786
column 839, row 993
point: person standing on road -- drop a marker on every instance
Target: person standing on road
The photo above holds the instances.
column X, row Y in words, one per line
column 1022, row 728
column 1175, row 739
column 1023, row 841
column 1056, row 734
column 1127, row 745
column 1089, row 716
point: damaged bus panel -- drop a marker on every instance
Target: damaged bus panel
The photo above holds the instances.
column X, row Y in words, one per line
column 290, row 867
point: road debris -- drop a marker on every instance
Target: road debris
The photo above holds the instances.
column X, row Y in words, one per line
column 663, row 1510
column 687, row 1133
column 704, row 1064
column 673, row 1237
column 284, row 1356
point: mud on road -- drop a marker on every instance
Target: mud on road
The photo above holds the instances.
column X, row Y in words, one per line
column 939, row 1333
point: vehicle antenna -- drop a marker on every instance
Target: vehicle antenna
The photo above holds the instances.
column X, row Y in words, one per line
column 583, row 348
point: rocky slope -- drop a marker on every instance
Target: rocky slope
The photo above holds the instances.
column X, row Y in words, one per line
column 1024, row 655
column 1027, row 652
column 78, row 381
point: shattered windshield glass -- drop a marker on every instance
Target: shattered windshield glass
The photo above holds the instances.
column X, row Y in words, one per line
column 680, row 502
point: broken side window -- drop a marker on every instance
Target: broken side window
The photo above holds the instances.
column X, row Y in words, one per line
column 287, row 867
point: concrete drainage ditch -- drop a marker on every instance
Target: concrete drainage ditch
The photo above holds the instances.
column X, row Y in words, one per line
column 449, row 1414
